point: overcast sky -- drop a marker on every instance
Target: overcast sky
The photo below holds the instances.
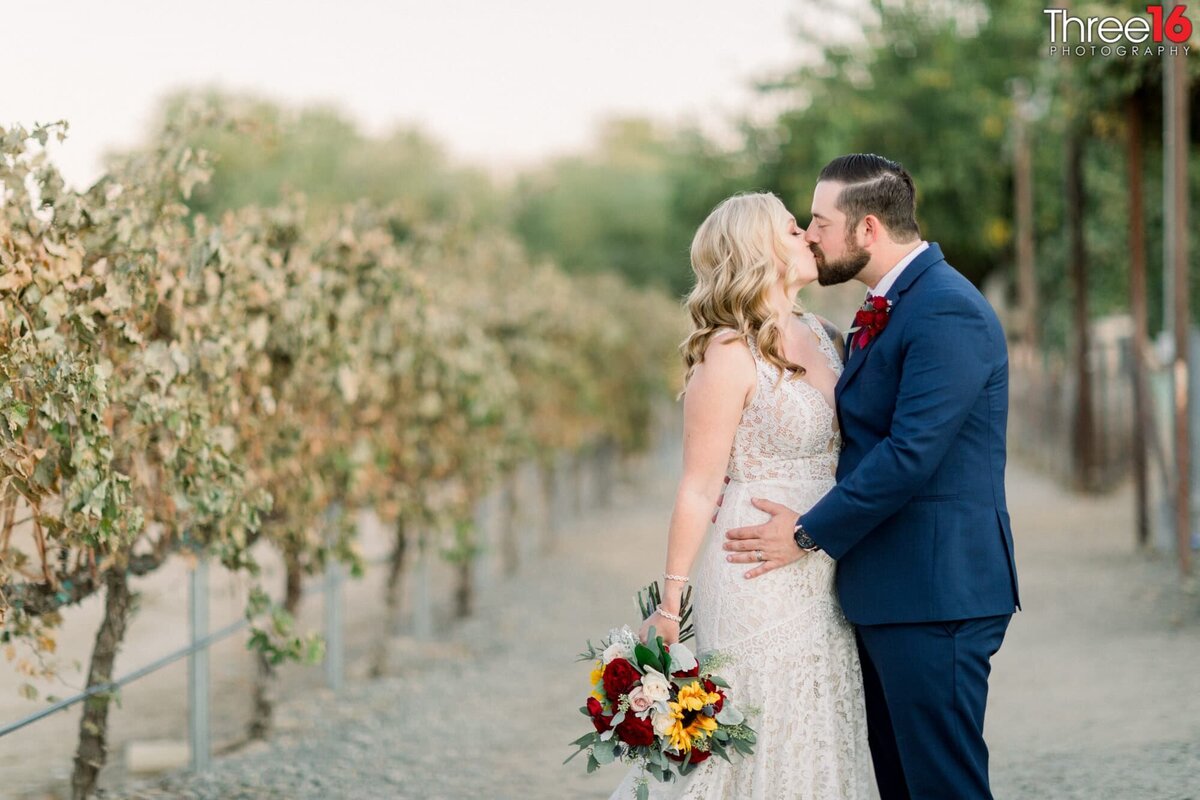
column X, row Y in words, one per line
column 499, row 83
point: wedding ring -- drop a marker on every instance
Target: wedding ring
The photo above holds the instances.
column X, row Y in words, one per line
column 758, row 555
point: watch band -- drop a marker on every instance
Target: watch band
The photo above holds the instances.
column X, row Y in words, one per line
column 803, row 540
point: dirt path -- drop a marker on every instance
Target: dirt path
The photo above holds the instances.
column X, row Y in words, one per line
column 1096, row 693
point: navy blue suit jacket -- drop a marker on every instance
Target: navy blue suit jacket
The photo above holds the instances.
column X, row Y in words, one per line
column 918, row 521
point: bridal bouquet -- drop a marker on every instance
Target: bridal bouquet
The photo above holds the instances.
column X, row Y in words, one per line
column 657, row 705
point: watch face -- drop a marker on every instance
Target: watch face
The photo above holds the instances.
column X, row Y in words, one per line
column 803, row 540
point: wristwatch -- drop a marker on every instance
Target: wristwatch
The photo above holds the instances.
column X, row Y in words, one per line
column 803, row 540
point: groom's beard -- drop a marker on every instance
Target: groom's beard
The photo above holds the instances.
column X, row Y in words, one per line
column 831, row 273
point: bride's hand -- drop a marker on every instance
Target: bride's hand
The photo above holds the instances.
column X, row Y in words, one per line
column 667, row 629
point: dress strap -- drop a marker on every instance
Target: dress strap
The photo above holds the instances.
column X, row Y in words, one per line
column 826, row 343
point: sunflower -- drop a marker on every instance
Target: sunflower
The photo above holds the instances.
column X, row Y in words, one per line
column 597, row 681
column 689, row 720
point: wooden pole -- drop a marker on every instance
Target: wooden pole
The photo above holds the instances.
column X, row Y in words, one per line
column 199, row 681
column 1137, row 300
column 1175, row 88
column 1083, row 429
column 1023, row 190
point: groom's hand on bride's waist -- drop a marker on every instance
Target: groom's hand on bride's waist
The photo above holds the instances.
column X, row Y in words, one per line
column 767, row 546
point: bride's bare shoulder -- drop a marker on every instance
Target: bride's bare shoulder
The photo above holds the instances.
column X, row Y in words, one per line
column 727, row 365
column 728, row 347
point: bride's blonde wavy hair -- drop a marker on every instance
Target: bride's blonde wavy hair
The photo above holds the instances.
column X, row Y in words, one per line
column 734, row 256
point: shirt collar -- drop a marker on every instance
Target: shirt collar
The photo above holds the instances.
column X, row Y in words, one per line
column 889, row 279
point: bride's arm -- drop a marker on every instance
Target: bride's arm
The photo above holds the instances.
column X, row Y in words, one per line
column 718, row 391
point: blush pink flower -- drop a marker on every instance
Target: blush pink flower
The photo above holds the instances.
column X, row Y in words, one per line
column 638, row 702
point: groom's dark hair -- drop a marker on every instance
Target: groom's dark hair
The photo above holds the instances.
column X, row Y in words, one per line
column 875, row 185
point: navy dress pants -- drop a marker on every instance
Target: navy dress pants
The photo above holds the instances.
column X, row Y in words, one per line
column 926, row 692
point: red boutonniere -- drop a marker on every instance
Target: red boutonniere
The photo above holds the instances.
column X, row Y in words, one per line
column 870, row 320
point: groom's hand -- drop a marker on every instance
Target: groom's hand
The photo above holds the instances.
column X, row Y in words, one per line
column 774, row 539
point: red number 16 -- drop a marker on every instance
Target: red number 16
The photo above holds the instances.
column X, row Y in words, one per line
column 1177, row 27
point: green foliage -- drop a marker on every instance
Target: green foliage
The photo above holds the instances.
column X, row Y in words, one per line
column 631, row 205
column 930, row 84
column 273, row 633
column 929, row 87
column 124, row 448
column 172, row 381
column 263, row 152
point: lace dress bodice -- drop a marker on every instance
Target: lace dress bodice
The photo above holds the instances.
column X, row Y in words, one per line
column 790, row 654
column 788, row 431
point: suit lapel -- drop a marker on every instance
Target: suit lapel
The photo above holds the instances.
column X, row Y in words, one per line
column 931, row 256
column 857, row 356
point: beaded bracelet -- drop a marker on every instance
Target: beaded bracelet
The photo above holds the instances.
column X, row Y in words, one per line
column 668, row 615
column 680, row 578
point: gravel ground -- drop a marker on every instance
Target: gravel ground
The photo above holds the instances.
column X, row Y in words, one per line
column 1096, row 693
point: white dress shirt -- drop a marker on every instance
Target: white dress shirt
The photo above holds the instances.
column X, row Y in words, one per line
column 887, row 280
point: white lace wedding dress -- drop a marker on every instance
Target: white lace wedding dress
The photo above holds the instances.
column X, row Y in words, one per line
column 793, row 664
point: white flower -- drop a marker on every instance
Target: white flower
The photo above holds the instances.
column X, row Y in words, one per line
column 655, row 686
column 662, row 722
column 621, row 642
column 616, row 650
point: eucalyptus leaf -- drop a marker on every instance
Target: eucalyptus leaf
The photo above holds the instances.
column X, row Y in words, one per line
column 730, row 715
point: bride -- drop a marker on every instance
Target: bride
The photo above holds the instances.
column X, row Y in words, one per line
column 758, row 413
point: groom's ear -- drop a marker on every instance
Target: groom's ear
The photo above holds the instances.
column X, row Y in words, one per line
column 872, row 230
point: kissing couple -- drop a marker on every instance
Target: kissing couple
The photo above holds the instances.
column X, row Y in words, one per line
column 859, row 575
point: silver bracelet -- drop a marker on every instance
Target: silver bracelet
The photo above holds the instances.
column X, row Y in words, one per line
column 680, row 578
column 668, row 615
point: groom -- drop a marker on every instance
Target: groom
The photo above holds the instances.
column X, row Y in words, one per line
column 917, row 522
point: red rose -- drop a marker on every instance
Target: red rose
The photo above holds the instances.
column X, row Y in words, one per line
column 601, row 721
column 636, row 732
column 695, row 757
column 619, row 677
column 709, row 686
column 870, row 320
column 694, row 672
